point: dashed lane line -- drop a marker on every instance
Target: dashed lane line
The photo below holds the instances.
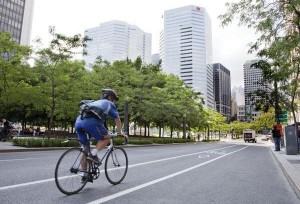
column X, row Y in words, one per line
column 130, row 190
column 130, row 166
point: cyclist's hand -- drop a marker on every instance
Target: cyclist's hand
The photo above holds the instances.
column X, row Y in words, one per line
column 125, row 138
column 120, row 134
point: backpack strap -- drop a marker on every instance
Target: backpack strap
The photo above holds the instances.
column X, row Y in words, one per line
column 86, row 111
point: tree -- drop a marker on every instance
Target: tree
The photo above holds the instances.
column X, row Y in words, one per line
column 277, row 22
column 265, row 120
column 213, row 121
column 50, row 63
column 14, row 76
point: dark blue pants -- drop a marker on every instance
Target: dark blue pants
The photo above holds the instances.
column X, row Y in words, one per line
column 277, row 143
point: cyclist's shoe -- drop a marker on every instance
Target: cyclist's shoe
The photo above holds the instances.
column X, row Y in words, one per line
column 86, row 178
column 94, row 159
column 83, row 179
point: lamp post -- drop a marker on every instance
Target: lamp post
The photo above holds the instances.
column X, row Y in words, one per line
column 126, row 118
column 208, row 130
column 184, row 126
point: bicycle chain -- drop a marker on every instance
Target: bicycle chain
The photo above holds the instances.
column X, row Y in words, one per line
column 95, row 171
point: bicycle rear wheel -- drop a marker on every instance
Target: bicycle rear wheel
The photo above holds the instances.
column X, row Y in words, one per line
column 69, row 176
column 116, row 165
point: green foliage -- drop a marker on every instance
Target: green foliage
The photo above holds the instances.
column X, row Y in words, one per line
column 48, row 93
column 31, row 143
column 211, row 140
column 140, row 142
column 264, row 121
column 15, row 78
column 44, row 143
column 277, row 25
column 60, row 78
column 170, row 140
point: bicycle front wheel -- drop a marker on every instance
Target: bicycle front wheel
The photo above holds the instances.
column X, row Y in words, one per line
column 116, row 165
column 70, row 175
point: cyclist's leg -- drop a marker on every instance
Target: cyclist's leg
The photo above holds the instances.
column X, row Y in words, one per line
column 95, row 129
column 81, row 133
column 100, row 133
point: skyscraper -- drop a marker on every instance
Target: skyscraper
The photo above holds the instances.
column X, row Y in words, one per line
column 117, row 40
column 238, row 94
column 253, row 81
column 238, row 103
column 222, row 90
column 16, row 18
column 186, row 49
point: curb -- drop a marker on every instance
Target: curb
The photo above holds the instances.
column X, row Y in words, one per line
column 32, row 149
column 289, row 173
column 27, row 149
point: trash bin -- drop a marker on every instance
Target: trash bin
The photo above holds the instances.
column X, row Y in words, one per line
column 291, row 140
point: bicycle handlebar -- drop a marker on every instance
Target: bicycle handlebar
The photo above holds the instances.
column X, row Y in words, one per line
column 117, row 135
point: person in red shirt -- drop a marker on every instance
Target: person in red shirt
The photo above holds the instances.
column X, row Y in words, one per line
column 276, row 135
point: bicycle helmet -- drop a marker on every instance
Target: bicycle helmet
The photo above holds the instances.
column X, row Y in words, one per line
column 109, row 92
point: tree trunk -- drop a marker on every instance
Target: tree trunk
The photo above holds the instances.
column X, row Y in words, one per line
column 159, row 131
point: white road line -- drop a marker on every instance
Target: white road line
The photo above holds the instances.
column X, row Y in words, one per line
column 26, row 184
column 185, row 155
column 13, row 160
column 130, row 166
column 130, row 190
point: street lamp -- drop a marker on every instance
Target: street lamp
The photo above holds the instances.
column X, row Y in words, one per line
column 126, row 118
column 208, row 130
column 184, row 126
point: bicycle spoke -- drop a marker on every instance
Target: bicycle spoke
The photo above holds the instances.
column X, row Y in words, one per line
column 69, row 173
column 116, row 165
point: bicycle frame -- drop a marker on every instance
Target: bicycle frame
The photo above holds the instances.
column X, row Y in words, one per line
column 111, row 145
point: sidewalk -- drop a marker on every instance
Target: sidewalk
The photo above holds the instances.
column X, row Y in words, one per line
column 289, row 164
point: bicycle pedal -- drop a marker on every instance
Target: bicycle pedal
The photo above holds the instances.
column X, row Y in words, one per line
column 90, row 179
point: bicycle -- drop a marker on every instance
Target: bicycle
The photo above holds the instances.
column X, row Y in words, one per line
column 71, row 179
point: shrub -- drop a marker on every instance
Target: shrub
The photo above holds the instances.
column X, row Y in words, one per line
column 45, row 143
column 211, row 140
column 139, row 142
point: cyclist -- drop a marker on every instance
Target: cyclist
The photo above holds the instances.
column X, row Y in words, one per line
column 92, row 121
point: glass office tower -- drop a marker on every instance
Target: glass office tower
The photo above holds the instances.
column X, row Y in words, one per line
column 186, row 49
column 222, row 90
column 117, row 40
column 16, row 18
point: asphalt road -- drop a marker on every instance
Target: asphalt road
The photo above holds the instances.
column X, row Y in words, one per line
column 186, row 173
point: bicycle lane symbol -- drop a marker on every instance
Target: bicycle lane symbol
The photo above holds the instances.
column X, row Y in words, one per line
column 208, row 154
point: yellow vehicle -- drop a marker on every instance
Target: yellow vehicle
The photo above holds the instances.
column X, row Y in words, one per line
column 249, row 135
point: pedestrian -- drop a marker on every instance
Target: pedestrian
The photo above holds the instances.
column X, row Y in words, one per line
column 38, row 130
column 276, row 135
column 5, row 129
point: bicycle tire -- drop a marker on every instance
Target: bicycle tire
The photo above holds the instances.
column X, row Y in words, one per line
column 116, row 165
column 68, row 176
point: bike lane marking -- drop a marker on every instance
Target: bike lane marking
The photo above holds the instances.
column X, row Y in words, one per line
column 130, row 166
column 130, row 190
column 12, row 160
column 176, row 157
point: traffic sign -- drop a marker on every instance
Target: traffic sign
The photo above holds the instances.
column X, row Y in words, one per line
column 283, row 120
column 283, row 117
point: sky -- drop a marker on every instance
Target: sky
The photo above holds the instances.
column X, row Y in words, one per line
column 70, row 17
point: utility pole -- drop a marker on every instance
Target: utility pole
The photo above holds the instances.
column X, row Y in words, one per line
column 126, row 118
